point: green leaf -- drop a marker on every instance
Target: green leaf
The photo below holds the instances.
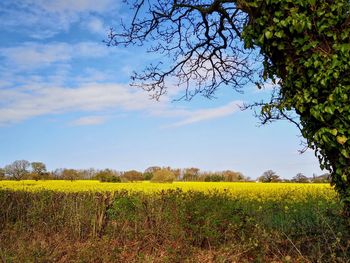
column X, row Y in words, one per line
column 341, row 139
column 345, row 153
column 268, row 34
column 329, row 109
column 344, row 48
column 279, row 34
column 334, row 132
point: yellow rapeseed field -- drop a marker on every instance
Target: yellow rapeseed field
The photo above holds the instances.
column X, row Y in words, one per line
column 252, row 191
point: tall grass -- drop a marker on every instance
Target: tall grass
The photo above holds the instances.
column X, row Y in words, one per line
column 169, row 226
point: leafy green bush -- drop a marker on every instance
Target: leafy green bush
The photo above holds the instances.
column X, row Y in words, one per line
column 108, row 176
column 214, row 178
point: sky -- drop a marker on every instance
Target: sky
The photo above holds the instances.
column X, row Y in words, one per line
column 65, row 100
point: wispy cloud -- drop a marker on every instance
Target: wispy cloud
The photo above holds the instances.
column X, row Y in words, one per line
column 90, row 120
column 209, row 114
column 45, row 18
column 33, row 55
column 62, row 6
column 96, row 25
column 23, row 104
column 94, row 100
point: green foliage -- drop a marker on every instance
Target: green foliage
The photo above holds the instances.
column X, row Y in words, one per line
column 214, row 178
column 107, row 175
column 172, row 223
column 306, row 44
column 147, row 176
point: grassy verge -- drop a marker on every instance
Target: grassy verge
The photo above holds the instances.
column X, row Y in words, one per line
column 169, row 226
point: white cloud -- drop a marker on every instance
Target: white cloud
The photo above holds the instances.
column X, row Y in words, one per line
column 90, row 120
column 26, row 102
column 45, row 18
column 62, row 6
column 23, row 103
column 209, row 114
column 96, row 26
column 32, row 55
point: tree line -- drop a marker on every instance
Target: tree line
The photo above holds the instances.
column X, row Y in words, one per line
column 25, row 170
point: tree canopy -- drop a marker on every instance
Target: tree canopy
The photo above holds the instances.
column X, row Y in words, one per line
column 304, row 47
column 17, row 170
column 269, row 176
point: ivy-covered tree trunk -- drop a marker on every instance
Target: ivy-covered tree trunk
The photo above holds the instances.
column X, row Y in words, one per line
column 331, row 157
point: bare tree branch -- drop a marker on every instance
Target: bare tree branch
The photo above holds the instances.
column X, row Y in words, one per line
column 203, row 39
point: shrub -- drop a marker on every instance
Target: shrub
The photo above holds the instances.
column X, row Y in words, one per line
column 163, row 176
column 147, row 176
column 108, row 176
column 133, row 175
column 214, row 178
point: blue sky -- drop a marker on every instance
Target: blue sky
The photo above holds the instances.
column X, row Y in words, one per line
column 66, row 101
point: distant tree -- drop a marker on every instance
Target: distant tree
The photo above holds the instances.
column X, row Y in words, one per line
column 163, row 176
column 70, row 174
column 231, row 176
column 213, row 177
column 57, row 174
column 148, row 173
column 324, row 178
column 17, row 170
column 108, row 175
column 191, row 174
column 152, row 169
column 177, row 173
column 269, row 176
column 133, row 175
column 147, row 176
column 300, row 178
column 2, row 174
column 38, row 171
column 88, row 173
column 38, row 167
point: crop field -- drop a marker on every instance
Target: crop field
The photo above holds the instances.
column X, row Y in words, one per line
column 90, row 221
column 243, row 189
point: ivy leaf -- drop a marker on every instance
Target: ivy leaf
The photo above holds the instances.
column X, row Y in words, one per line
column 334, row 132
column 341, row 139
column 268, row 34
column 345, row 153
